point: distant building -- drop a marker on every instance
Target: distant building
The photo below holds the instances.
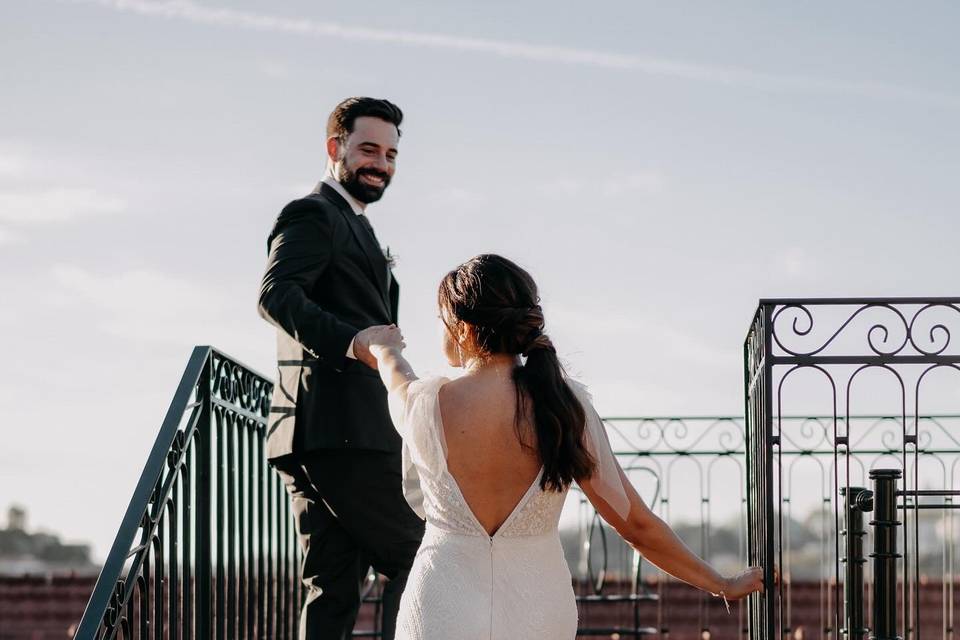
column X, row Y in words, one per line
column 38, row 553
column 16, row 518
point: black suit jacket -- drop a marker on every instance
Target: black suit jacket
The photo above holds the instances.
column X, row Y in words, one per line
column 326, row 279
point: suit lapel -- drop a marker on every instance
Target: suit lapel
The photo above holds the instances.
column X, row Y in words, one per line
column 376, row 263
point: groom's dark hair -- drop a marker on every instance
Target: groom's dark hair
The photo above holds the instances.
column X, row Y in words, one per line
column 498, row 301
column 341, row 120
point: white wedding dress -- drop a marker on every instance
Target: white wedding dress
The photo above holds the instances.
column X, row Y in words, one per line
column 464, row 583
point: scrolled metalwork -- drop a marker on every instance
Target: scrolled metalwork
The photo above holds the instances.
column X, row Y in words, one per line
column 935, row 330
column 903, row 339
column 206, row 548
column 911, row 327
column 821, row 346
column 239, row 386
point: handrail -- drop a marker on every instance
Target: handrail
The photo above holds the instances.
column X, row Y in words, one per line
column 206, row 547
column 111, row 575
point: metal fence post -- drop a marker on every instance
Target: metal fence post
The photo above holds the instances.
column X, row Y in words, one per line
column 857, row 500
column 885, row 554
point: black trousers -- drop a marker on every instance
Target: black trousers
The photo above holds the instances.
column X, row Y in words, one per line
column 350, row 515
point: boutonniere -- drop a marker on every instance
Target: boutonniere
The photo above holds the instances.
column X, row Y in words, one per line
column 391, row 258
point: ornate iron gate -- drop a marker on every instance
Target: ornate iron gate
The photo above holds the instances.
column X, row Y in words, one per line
column 878, row 368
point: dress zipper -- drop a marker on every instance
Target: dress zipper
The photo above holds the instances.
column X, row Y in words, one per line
column 492, row 586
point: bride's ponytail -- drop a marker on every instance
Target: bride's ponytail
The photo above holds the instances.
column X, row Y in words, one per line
column 499, row 300
column 558, row 415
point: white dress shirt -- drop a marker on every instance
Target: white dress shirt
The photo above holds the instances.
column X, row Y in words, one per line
column 357, row 206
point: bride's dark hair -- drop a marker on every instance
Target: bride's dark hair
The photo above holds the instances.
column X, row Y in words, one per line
column 499, row 301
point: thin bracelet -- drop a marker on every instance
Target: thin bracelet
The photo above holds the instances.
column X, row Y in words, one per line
column 725, row 602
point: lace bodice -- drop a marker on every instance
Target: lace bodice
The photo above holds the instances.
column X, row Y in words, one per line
column 464, row 583
column 432, row 490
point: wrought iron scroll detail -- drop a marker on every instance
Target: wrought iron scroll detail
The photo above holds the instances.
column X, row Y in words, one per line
column 206, row 548
column 919, row 328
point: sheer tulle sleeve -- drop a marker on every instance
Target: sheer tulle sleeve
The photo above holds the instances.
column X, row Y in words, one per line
column 606, row 480
column 397, row 400
column 413, row 409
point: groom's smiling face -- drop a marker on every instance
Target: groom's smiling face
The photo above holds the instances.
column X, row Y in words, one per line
column 366, row 158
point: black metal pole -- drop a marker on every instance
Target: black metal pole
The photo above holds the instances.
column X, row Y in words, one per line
column 885, row 554
column 858, row 500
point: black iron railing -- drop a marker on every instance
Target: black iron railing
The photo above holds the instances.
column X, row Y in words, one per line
column 206, row 548
column 686, row 468
column 843, row 357
column 693, row 470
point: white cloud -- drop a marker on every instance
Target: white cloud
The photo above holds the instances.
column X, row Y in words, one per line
column 28, row 198
column 56, row 204
column 736, row 76
column 149, row 307
column 655, row 337
column 11, row 165
column 563, row 187
column 117, row 293
column 796, row 262
column 645, row 182
column 273, row 69
column 8, row 237
column 456, row 197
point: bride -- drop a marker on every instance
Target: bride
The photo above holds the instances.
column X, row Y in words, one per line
column 488, row 460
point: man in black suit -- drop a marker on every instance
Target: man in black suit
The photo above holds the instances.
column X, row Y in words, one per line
column 330, row 436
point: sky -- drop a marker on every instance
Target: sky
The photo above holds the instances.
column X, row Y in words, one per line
column 658, row 167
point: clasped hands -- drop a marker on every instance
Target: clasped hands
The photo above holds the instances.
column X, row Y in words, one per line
column 369, row 341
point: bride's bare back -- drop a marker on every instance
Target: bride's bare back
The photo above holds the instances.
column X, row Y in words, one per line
column 484, row 455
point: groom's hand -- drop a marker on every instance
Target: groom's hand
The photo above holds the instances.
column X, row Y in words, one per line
column 374, row 341
column 361, row 346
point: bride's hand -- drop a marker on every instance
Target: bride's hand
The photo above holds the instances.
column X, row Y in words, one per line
column 385, row 338
column 743, row 584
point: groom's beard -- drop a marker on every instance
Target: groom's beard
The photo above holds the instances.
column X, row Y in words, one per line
column 363, row 192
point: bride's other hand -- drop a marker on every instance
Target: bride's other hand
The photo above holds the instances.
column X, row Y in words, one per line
column 744, row 583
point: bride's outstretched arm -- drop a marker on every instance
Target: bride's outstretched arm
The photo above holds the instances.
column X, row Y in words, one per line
column 658, row 543
column 617, row 502
column 386, row 345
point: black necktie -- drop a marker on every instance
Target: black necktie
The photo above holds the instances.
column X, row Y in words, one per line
column 366, row 225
